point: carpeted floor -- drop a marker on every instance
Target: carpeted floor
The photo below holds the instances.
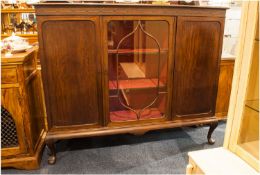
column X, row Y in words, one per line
column 159, row 152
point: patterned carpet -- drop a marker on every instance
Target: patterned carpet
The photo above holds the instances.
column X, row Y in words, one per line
column 156, row 152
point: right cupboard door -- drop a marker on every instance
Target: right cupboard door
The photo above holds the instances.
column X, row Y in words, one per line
column 196, row 67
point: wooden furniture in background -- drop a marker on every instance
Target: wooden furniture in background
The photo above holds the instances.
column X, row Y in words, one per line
column 224, row 85
column 240, row 153
column 89, row 90
column 12, row 17
column 22, row 112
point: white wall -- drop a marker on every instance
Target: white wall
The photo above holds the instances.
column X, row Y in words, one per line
column 231, row 32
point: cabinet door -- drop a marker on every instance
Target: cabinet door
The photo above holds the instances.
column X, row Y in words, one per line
column 12, row 129
column 70, row 70
column 198, row 51
column 137, row 62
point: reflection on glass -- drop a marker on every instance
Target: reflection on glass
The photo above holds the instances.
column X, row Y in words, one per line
column 137, row 60
column 249, row 132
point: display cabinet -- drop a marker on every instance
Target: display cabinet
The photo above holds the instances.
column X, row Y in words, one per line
column 240, row 153
column 244, row 136
column 128, row 68
column 22, row 111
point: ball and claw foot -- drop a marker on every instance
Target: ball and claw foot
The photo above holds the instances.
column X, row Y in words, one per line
column 212, row 127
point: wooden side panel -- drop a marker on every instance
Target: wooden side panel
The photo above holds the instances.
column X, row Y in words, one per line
column 29, row 66
column 36, row 108
column 10, row 100
column 70, row 65
column 224, row 87
column 198, row 50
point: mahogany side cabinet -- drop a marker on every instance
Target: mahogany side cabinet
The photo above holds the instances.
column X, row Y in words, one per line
column 128, row 68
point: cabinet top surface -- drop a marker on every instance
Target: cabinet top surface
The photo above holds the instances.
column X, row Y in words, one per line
column 121, row 5
column 17, row 57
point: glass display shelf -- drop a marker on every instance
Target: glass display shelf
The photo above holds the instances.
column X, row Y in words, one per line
column 253, row 104
column 135, row 84
column 136, row 51
column 249, row 134
column 252, row 147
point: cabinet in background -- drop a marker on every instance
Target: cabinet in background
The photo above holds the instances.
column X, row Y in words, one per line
column 22, row 22
column 22, row 111
column 224, row 86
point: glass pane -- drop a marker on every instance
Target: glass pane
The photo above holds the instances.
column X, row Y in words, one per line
column 249, row 132
column 137, row 61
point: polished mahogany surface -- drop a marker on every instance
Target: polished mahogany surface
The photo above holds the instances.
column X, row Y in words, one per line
column 113, row 68
column 71, row 72
column 197, row 65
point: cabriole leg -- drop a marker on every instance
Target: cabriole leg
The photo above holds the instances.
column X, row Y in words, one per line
column 212, row 127
column 51, row 153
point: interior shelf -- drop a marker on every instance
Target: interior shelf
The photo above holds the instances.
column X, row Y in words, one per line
column 136, row 51
column 135, row 84
column 252, row 147
column 26, row 10
column 253, row 104
column 132, row 70
column 21, row 34
column 127, row 115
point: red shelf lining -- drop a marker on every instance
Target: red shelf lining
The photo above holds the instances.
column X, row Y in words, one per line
column 127, row 115
column 122, row 51
column 135, row 84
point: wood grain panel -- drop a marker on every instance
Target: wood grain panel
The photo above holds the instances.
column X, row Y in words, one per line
column 69, row 71
column 224, row 87
column 9, row 75
column 35, row 103
column 29, row 65
column 23, row 100
column 197, row 58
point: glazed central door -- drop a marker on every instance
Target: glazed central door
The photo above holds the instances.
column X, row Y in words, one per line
column 71, row 70
column 138, row 65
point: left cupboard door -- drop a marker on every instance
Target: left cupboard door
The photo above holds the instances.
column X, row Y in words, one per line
column 71, row 64
column 12, row 128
